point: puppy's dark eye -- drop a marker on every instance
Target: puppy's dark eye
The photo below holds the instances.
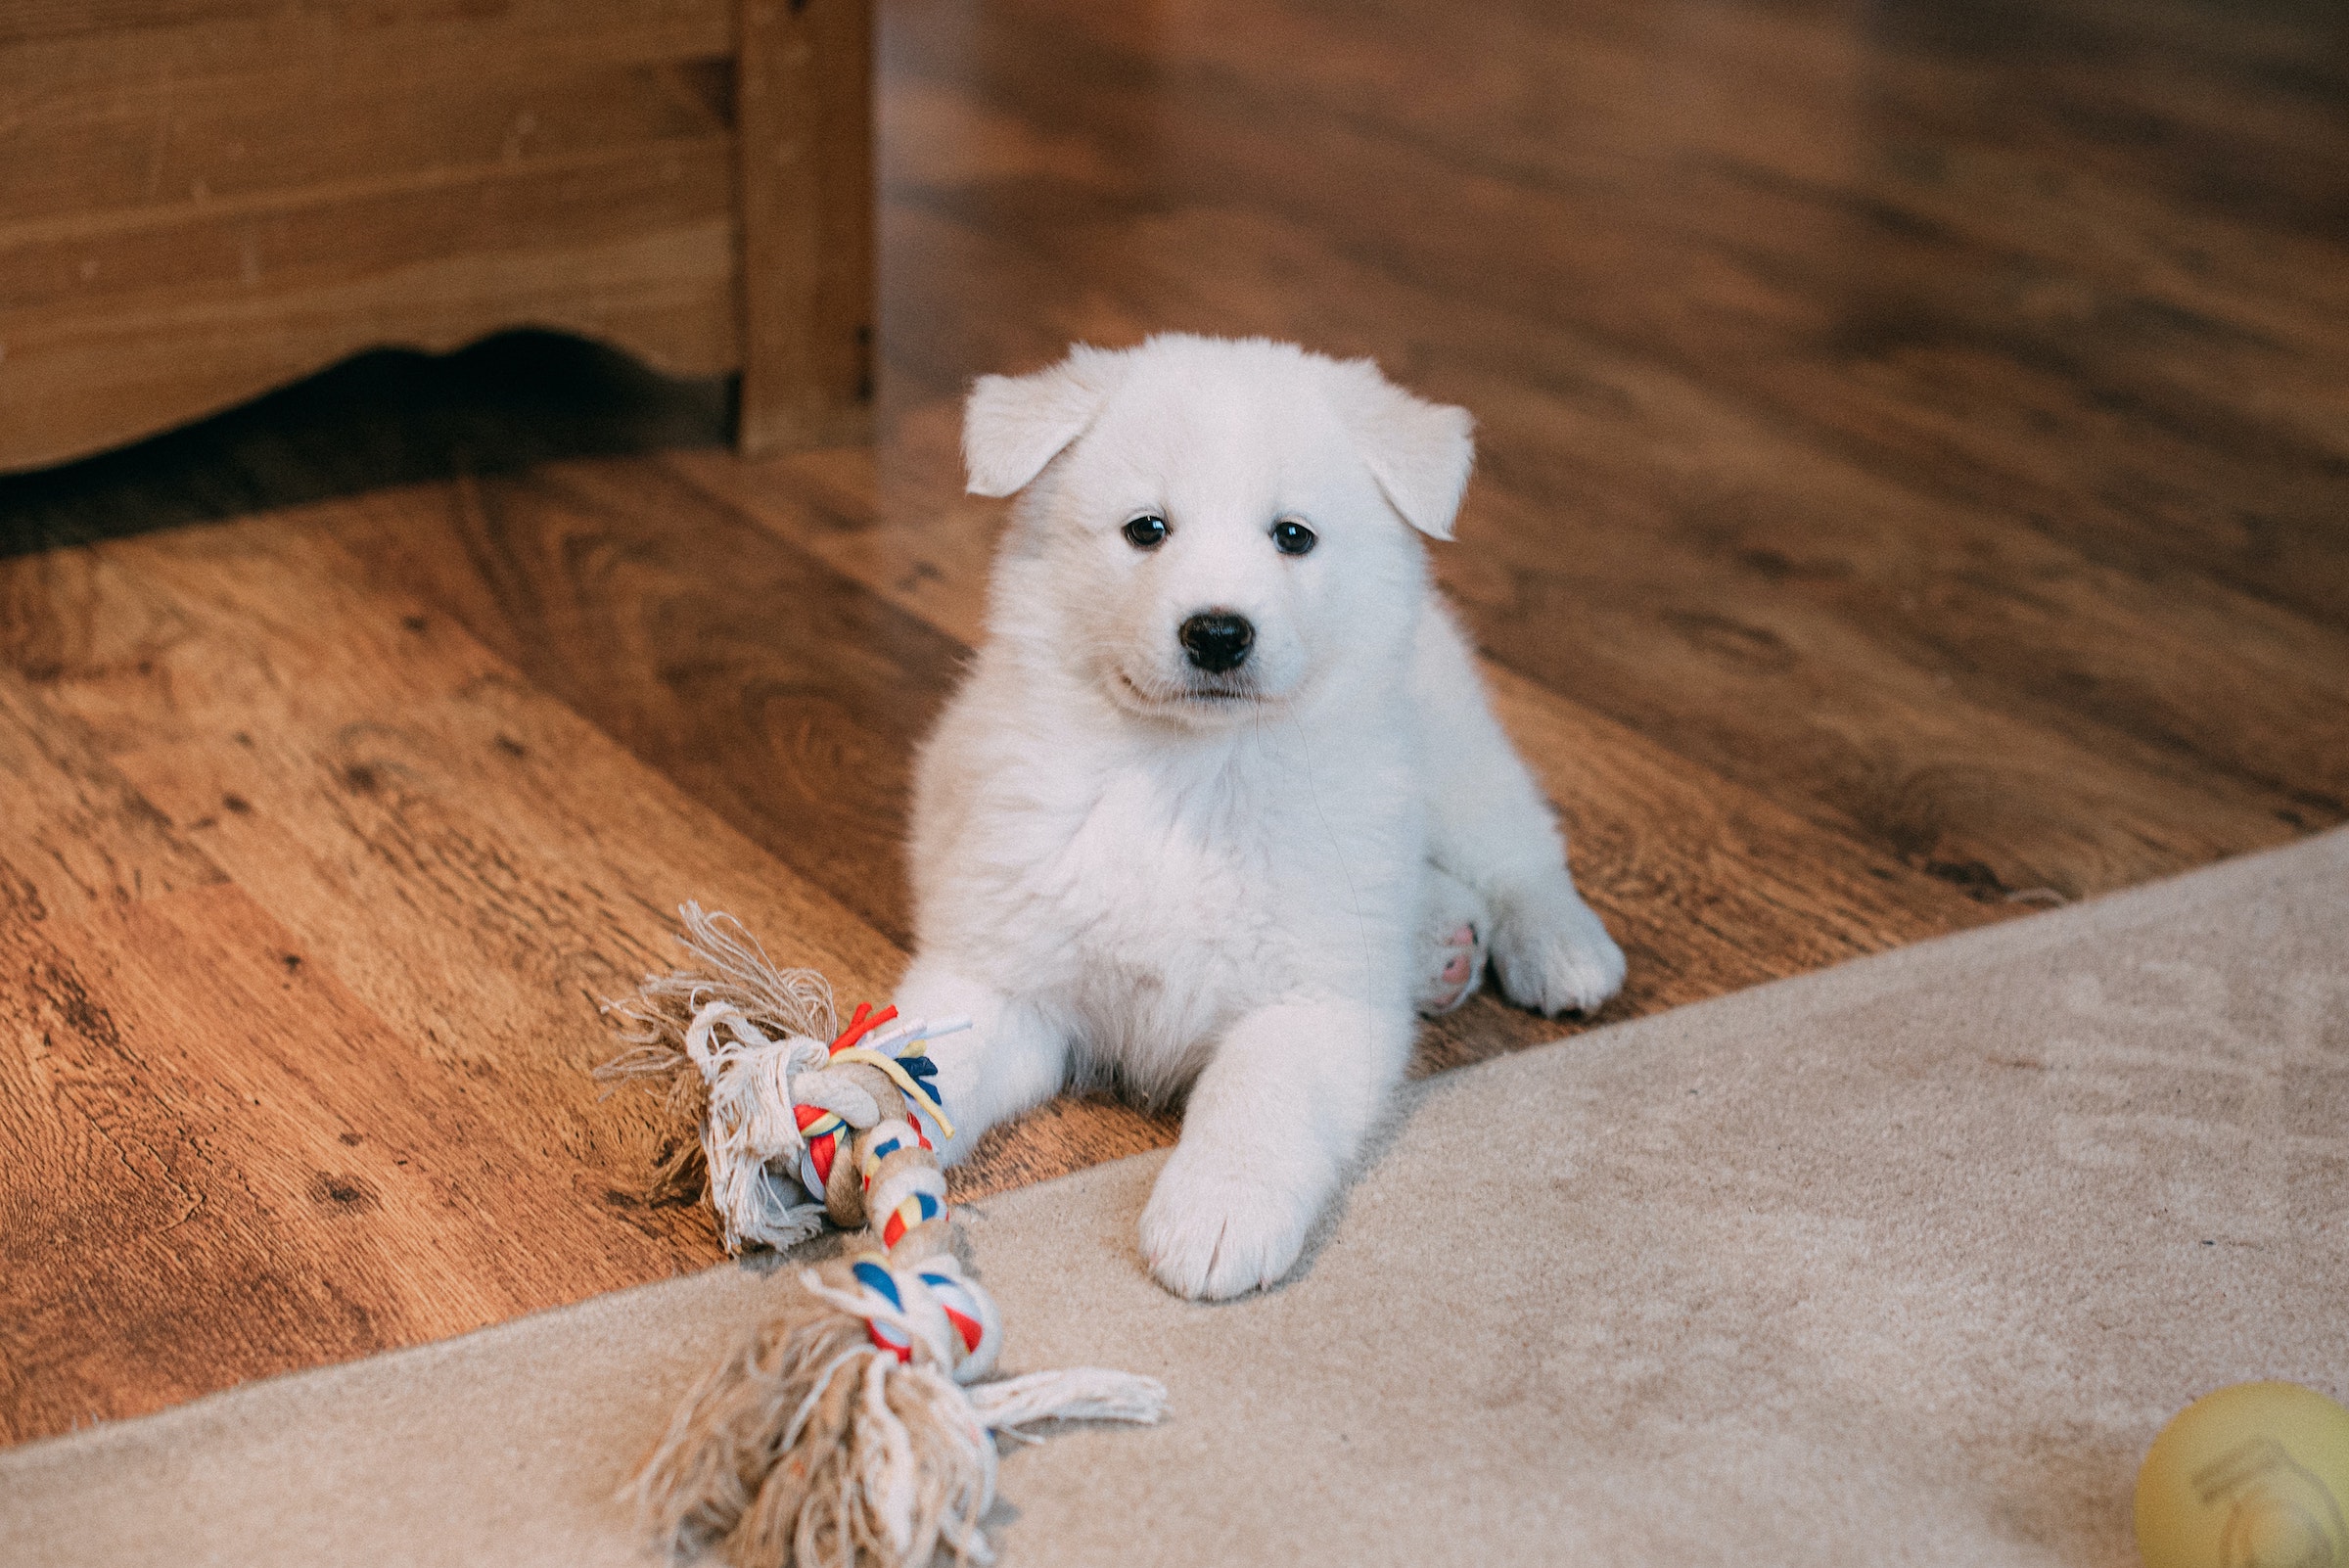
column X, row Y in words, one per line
column 1146, row 532
column 1292, row 537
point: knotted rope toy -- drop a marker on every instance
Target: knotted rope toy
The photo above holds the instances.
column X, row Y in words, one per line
column 855, row 1425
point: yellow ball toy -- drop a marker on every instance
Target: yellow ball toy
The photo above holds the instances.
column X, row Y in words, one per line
column 2253, row 1476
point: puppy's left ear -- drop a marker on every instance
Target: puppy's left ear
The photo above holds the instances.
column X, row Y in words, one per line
column 1419, row 452
column 1012, row 426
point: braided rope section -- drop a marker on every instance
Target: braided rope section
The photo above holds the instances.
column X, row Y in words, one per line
column 855, row 1425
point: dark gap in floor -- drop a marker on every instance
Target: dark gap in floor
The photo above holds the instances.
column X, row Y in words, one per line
column 388, row 417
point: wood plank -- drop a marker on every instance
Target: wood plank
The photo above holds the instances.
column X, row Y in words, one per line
column 806, row 179
column 449, row 868
column 186, row 142
column 191, row 252
column 777, row 693
column 76, row 44
column 221, row 1166
column 2052, row 742
column 110, row 336
column 350, row 758
column 200, row 632
column 74, row 834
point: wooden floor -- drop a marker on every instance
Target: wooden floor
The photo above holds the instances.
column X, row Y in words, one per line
column 1915, row 464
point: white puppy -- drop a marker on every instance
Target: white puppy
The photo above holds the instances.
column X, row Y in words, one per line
column 1222, row 789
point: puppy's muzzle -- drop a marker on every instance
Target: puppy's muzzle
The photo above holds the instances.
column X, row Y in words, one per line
column 1217, row 640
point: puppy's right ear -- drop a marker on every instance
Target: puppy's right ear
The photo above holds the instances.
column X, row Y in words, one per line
column 1012, row 426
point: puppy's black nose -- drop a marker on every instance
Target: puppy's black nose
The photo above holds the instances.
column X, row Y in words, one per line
column 1217, row 640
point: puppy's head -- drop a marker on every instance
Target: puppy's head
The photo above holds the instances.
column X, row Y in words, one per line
column 1213, row 526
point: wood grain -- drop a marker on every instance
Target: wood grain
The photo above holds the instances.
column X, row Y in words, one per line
column 1914, row 445
column 395, row 846
column 199, row 202
column 205, row 1118
column 777, row 692
column 96, row 153
column 75, row 835
column 804, row 171
column 188, row 310
column 73, row 40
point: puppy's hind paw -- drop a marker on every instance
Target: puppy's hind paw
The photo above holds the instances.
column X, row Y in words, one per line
column 1452, row 946
column 1554, row 956
column 1453, row 973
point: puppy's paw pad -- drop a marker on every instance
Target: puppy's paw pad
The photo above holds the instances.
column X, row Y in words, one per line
column 1451, row 948
column 1209, row 1235
column 1452, row 968
column 1554, row 956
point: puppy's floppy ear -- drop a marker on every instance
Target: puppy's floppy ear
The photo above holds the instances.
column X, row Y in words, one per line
column 1012, row 426
column 1419, row 452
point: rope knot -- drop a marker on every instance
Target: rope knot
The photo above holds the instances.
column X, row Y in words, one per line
column 781, row 1107
column 931, row 1310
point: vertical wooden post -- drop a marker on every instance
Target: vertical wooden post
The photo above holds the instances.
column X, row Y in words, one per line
column 804, row 117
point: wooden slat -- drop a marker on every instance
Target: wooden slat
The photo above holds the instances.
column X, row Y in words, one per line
column 804, row 111
column 1803, row 644
column 106, row 337
column 90, row 163
column 76, row 43
column 199, row 633
column 33, row 20
column 192, row 254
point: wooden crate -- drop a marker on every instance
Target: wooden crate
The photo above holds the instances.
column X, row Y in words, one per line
column 200, row 200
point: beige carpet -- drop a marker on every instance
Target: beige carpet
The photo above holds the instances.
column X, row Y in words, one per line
column 1902, row 1263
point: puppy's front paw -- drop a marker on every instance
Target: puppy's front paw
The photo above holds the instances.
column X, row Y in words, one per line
column 1210, row 1232
column 1554, row 956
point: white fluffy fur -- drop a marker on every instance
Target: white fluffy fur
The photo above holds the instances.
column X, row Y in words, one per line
column 1234, row 887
